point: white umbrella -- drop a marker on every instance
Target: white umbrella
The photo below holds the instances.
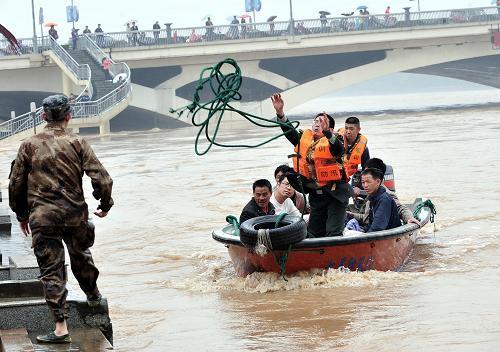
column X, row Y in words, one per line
column 123, row 77
column 130, row 22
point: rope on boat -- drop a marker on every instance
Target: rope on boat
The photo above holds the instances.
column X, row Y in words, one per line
column 223, row 89
column 233, row 220
column 426, row 204
column 281, row 261
column 263, row 242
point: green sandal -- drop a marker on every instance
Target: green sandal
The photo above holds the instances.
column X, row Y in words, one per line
column 53, row 338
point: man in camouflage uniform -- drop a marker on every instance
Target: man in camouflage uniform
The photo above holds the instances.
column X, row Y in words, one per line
column 45, row 192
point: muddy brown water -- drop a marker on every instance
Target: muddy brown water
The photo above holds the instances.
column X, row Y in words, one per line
column 171, row 287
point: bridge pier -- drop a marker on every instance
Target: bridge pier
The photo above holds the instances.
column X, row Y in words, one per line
column 66, row 84
column 104, row 128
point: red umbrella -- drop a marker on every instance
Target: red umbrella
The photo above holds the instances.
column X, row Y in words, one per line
column 245, row 15
column 50, row 24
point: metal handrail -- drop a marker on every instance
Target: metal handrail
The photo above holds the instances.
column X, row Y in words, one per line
column 79, row 109
column 329, row 25
column 120, row 93
column 26, row 46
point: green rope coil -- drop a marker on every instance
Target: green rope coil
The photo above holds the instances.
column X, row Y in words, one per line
column 224, row 81
column 425, row 204
column 233, row 220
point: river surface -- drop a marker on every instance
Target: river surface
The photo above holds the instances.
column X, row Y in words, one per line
column 171, row 287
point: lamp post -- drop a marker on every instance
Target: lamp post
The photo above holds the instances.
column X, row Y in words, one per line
column 292, row 26
column 35, row 46
column 418, row 4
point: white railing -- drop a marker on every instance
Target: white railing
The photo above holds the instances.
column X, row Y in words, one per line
column 305, row 27
column 120, row 93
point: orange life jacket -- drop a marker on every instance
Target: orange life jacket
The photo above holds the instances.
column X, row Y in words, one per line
column 351, row 163
column 316, row 162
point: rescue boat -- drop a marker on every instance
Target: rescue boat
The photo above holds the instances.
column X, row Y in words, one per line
column 382, row 250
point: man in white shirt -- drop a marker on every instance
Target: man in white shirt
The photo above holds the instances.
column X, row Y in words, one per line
column 281, row 198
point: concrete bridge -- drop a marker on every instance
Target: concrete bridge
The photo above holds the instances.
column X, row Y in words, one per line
column 302, row 64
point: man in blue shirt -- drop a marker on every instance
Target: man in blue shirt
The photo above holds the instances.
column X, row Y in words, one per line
column 383, row 209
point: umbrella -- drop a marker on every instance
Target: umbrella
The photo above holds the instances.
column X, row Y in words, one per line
column 362, row 7
column 130, row 22
column 271, row 18
column 230, row 18
column 326, row 13
column 245, row 15
column 50, row 24
column 347, row 14
column 206, row 17
column 123, row 76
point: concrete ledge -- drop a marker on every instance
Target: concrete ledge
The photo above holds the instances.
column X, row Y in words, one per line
column 5, row 224
column 23, row 267
column 4, row 271
column 85, row 340
column 21, row 288
column 15, row 340
column 34, row 316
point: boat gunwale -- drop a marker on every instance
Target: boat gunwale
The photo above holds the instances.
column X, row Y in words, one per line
column 407, row 229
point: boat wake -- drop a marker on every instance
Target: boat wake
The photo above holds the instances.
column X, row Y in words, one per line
column 218, row 276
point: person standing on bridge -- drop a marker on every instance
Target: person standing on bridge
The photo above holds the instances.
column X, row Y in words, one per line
column 318, row 160
column 156, row 31
column 45, row 192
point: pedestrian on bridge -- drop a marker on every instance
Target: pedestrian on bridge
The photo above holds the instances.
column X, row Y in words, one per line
column 45, row 192
column 156, row 31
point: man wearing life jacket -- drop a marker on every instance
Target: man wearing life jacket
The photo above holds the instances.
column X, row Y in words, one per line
column 355, row 147
column 318, row 160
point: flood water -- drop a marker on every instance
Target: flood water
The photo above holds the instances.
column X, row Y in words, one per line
column 171, row 287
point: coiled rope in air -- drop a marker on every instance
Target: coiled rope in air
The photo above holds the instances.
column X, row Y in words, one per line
column 223, row 82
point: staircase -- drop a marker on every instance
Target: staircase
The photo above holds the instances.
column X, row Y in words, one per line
column 100, row 85
column 83, row 68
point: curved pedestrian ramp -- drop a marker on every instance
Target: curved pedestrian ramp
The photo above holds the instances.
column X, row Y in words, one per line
column 83, row 68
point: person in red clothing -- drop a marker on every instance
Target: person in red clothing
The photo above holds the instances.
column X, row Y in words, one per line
column 105, row 66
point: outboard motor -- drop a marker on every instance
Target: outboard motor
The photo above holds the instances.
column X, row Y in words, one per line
column 389, row 181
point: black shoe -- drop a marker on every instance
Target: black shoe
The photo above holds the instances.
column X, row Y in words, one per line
column 94, row 302
column 53, row 338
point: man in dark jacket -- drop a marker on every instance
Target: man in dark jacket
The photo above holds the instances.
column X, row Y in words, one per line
column 259, row 205
column 383, row 209
column 45, row 192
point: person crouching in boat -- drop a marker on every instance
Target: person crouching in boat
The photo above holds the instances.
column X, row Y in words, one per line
column 383, row 210
column 318, row 160
column 362, row 217
column 281, row 198
column 259, row 205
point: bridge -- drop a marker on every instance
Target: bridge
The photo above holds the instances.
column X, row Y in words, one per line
column 304, row 60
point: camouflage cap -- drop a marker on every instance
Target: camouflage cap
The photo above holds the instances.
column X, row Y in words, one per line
column 56, row 107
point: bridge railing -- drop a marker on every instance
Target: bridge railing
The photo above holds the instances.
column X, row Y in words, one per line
column 26, row 46
column 332, row 25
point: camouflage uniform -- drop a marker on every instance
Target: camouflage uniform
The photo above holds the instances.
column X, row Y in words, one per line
column 46, row 188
